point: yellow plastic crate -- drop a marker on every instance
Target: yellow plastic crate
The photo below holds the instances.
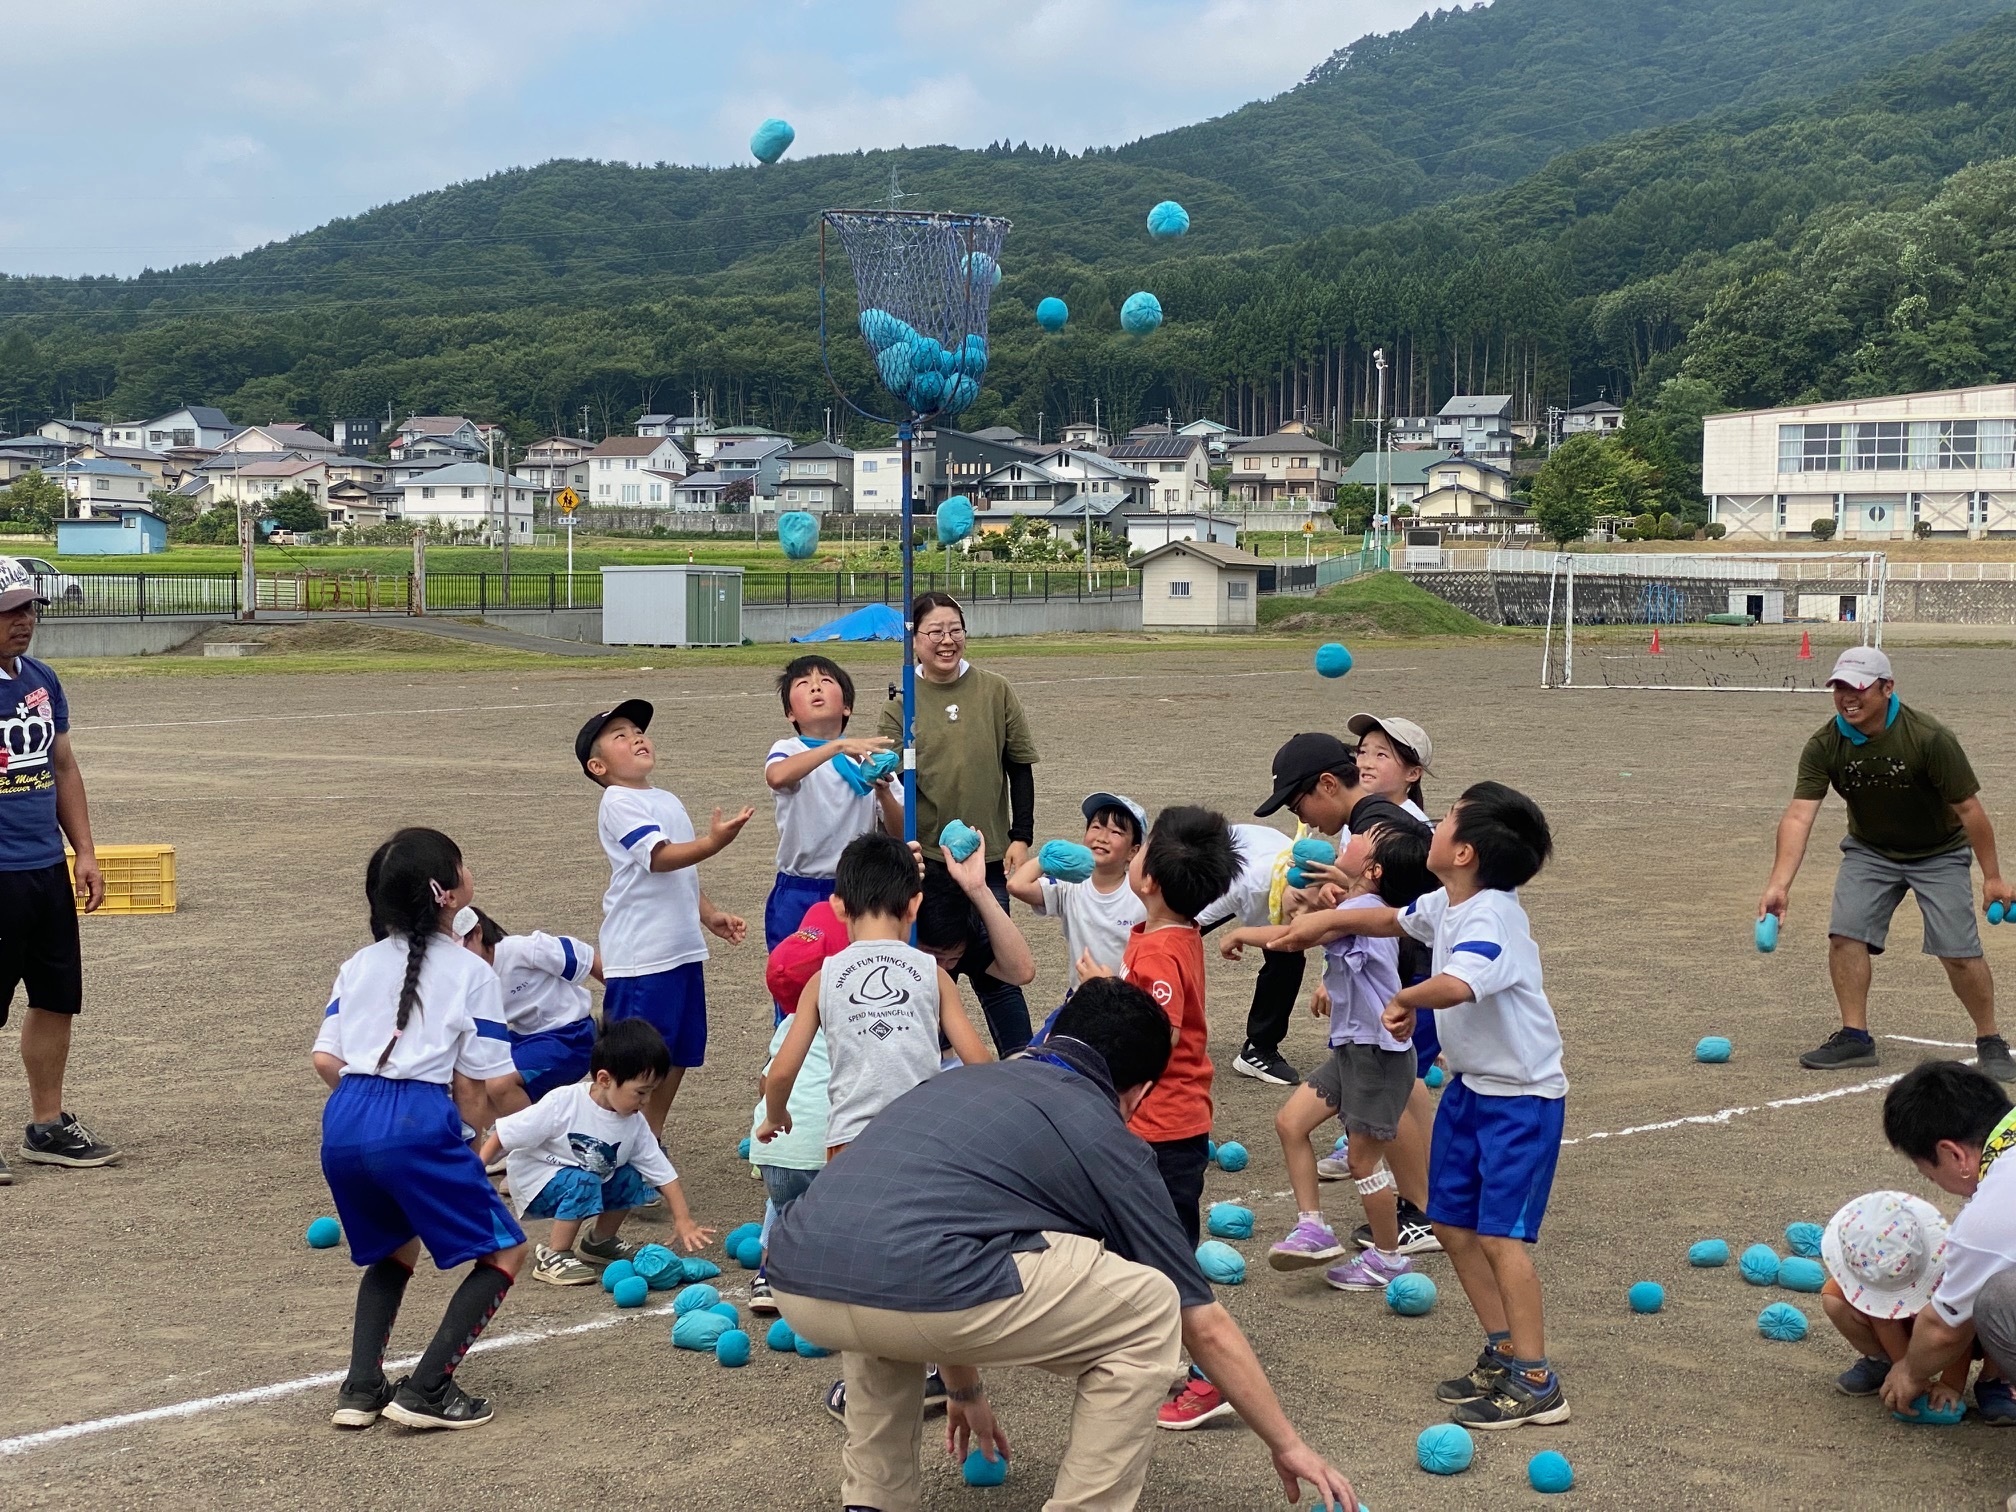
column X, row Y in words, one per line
column 139, row 879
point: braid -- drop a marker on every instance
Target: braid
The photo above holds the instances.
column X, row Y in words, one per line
column 409, row 990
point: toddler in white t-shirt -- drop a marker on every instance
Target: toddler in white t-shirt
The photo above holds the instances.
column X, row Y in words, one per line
column 1096, row 914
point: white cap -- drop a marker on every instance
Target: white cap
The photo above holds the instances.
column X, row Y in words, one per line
column 1887, row 1253
column 1400, row 731
column 1859, row 666
column 18, row 586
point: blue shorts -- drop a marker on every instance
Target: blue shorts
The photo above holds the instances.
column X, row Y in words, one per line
column 574, row 1193
column 396, row 1163
column 1491, row 1163
column 672, row 1002
column 1427, row 1043
column 553, row 1057
column 784, row 910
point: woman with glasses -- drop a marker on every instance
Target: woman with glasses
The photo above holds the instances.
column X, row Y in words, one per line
column 974, row 760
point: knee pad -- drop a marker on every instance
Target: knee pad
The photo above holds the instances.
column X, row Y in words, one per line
column 1378, row 1181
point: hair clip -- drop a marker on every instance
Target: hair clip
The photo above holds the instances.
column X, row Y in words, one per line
column 440, row 892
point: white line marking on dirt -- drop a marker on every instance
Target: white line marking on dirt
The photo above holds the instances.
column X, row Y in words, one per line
column 1912, row 1039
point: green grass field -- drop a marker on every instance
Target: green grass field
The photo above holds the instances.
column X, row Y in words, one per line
column 1382, row 603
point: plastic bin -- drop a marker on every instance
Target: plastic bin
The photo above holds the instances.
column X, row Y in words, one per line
column 139, row 879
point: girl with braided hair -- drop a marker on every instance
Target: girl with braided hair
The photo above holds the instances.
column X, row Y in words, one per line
column 413, row 1018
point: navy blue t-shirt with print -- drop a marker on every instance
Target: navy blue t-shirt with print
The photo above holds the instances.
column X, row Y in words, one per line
column 33, row 712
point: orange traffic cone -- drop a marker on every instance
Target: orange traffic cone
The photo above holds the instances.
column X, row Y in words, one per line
column 1655, row 642
column 1805, row 645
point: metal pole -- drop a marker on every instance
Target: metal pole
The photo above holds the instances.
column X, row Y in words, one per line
column 505, row 489
column 903, row 435
column 570, row 559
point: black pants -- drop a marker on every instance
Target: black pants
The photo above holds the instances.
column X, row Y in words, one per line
column 1274, row 994
column 1006, row 1009
column 1182, row 1163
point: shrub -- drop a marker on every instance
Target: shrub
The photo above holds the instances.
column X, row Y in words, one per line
column 1922, row 530
column 1627, row 533
column 1648, row 526
column 1715, row 530
column 1823, row 530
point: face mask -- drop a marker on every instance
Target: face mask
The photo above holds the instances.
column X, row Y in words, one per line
column 464, row 923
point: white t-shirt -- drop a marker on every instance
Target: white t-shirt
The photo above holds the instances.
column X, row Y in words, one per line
column 567, row 1127
column 1093, row 920
column 878, row 1004
column 1981, row 1243
column 1248, row 899
column 543, row 978
column 650, row 920
column 1504, row 1042
column 1417, row 811
column 804, row 1148
column 817, row 817
column 458, row 1024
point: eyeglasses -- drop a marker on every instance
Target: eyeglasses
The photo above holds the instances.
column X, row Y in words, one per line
column 956, row 633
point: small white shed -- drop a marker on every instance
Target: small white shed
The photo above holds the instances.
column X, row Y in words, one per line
column 668, row 605
column 1199, row 585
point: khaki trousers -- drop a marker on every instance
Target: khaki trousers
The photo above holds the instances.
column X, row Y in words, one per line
column 1111, row 1325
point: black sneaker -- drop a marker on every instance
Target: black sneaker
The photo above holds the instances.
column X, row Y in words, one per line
column 66, row 1142
column 760, row 1301
column 1993, row 1051
column 1864, row 1378
column 357, row 1408
column 1844, row 1049
column 451, row 1407
column 1266, row 1066
column 1485, row 1377
column 1417, row 1234
column 935, row 1396
column 1513, row 1405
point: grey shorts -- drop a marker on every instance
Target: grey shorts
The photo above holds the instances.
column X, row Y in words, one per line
column 1870, row 886
column 1368, row 1087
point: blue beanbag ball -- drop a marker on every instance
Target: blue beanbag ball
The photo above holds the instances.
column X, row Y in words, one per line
column 1997, row 912
column 1759, row 1265
column 1065, row 860
column 699, row 1330
column 1140, row 314
column 738, row 1233
column 695, row 1298
column 895, row 369
column 615, row 1271
column 727, row 1310
column 1221, row 1263
column 927, row 391
column 1444, row 1449
column 1767, row 933
column 654, row 1260
column 1228, row 1220
column 980, row 268
column 749, row 1253
column 955, row 520
column 958, row 839
column 1783, row 1322
column 1051, row 313
column 771, row 140
column 630, row 1291
column 732, row 1348
column 981, row 1471
column 798, row 534
column 1800, row 1274
column 1923, row 1414
column 1647, row 1296
column 742, row 1148
column 1435, row 1078
column 973, row 355
column 1411, row 1295
column 1550, row 1472
column 960, row 393
column 1332, row 660
column 1310, row 848
column 881, row 330
column 780, row 1337
column 807, row 1350
column 693, row 1268
column 881, row 764
column 1804, row 1238
column 1712, row 1050
column 1342, row 1147
column 1210, row 1151
column 1168, row 219
column 1232, row 1156
column 325, row 1233
column 1708, row 1253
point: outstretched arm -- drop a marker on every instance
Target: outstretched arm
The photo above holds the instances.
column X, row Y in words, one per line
column 789, row 1061
column 788, row 771
column 1794, row 829
column 676, row 855
column 1981, row 835
column 1319, row 926
column 1014, row 962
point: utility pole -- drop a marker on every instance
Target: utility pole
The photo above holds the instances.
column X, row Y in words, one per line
column 1379, row 468
column 504, row 487
column 584, row 424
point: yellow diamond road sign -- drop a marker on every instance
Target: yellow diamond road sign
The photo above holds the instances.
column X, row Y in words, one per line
column 568, row 500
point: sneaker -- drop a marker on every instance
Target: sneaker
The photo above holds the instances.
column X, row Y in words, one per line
column 1367, row 1270
column 760, row 1300
column 1513, row 1405
column 935, row 1396
column 1194, row 1406
column 561, row 1268
column 6, row 1176
column 1333, row 1168
column 1417, row 1234
column 1844, row 1048
column 1308, row 1243
column 1996, row 1402
column 495, row 1167
column 655, row 1203
column 66, row 1142
column 1266, row 1066
column 451, row 1407
column 360, row 1409
column 1485, row 1377
column 836, row 1401
column 1864, row 1378
column 604, row 1251
column 1993, row 1053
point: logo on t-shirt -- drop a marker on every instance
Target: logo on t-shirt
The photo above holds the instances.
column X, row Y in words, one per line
column 1162, row 992
column 595, row 1156
column 26, row 738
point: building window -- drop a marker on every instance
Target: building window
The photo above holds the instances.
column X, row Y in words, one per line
column 791, row 496
column 817, row 496
column 426, row 492
column 870, row 465
column 1236, row 589
column 629, row 464
column 468, row 493
column 657, row 492
column 1298, row 461
column 1179, row 590
column 1875, row 514
column 629, row 493
column 1977, row 509
column 1252, row 464
column 1273, row 461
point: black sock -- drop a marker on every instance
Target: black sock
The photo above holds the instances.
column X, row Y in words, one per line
column 378, row 1298
column 470, row 1310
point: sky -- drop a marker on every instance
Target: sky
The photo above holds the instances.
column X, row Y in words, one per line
column 183, row 133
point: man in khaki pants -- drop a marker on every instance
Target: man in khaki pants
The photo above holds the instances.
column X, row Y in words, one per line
column 1002, row 1214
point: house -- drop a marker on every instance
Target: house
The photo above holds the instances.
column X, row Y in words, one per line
column 655, row 425
column 72, row 433
column 192, row 425
column 1146, row 530
column 1028, row 486
column 1178, row 467
column 1465, row 488
column 255, row 476
column 1598, row 415
column 14, row 463
column 46, row 453
column 471, row 498
column 114, row 530
column 617, row 472
column 819, row 477
column 1477, row 425
column 1882, row 468
column 878, row 480
column 1210, row 430
column 700, row 490
column 1290, row 466
column 760, row 459
column 430, row 448
column 161, row 473
column 1089, row 472
column 706, row 444
column 280, row 438
column 558, row 462
column 685, row 429
column 96, row 480
column 456, row 428
column 356, row 470
column 1106, row 512
column 1407, row 474
column 357, row 437
column 131, row 434
column 1199, row 585
column 353, row 502
column 1085, row 435
column 1006, row 435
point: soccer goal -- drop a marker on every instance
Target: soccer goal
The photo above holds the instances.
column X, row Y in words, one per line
column 1757, row 622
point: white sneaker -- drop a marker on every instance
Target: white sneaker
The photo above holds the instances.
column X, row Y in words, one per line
column 1333, row 1168
column 562, row 1268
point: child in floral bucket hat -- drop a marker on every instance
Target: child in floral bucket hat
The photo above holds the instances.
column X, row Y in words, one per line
column 1885, row 1253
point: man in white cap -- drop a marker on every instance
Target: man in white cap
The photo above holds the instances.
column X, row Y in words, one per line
column 41, row 802
column 1914, row 814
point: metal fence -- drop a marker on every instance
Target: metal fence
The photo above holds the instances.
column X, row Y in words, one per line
column 138, row 595
column 1012, row 584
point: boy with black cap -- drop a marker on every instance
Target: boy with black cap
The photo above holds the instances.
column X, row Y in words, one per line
column 654, row 911
column 1095, row 914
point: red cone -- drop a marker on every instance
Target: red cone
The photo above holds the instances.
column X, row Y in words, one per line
column 1805, row 645
column 1655, row 642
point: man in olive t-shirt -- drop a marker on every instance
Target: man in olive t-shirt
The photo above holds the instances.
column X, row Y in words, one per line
column 1913, row 815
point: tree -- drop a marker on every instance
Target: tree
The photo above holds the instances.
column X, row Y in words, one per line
column 1589, row 475
column 296, row 510
column 1823, row 530
column 1355, row 502
column 34, row 499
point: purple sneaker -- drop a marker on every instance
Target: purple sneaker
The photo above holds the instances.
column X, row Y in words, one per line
column 1367, row 1271
column 1309, row 1243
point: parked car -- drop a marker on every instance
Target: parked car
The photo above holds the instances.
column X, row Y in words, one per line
column 57, row 585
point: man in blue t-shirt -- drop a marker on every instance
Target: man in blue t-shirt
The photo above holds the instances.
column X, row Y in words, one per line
column 41, row 802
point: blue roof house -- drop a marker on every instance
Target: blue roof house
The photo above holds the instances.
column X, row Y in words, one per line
column 113, row 530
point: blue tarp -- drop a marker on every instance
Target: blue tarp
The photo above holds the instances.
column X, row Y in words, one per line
column 876, row 622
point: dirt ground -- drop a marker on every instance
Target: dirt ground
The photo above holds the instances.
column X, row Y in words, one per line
column 181, row 1276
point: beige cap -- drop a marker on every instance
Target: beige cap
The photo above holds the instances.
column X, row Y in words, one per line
column 1401, row 732
column 1860, row 666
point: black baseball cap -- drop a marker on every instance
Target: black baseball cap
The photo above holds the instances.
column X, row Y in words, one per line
column 636, row 710
column 1300, row 762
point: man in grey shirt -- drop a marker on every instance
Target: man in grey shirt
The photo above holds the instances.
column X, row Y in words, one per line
column 1003, row 1215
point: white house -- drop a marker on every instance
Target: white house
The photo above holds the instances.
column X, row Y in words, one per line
column 1146, row 531
column 100, row 481
column 192, row 425
column 819, row 478
column 1598, row 415
column 471, row 498
column 558, row 462
column 280, row 438
column 1086, row 436
column 700, row 490
column 1178, row 468
column 620, row 472
column 1879, row 468
column 457, row 427
column 878, row 480
column 1089, row 472
column 1292, row 464
column 256, row 476
column 706, row 443
column 1198, row 585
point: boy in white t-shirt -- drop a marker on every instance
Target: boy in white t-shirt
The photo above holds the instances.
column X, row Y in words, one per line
column 1498, row 1128
column 654, row 912
column 585, row 1151
column 1096, row 914
column 546, row 1002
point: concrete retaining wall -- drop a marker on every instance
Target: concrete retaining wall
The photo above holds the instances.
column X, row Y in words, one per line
column 1520, row 598
column 554, row 624
column 117, row 637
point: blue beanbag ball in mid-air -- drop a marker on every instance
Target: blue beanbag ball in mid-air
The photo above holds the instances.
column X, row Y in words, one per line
column 1550, row 1472
column 1065, row 860
column 1804, row 1239
column 954, row 520
column 981, row 1471
column 1332, row 660
column 1647, row 1296
column 1411, row 1295
column 1926, row 1416
column 1801, row 1274
column 958, row 839
column 1051, row 313
column 630, row 1291
column 1759, row 1265
column 1712, row 1050
column 1435, row 1078
column 771, row 140
column 807, row 1350
column 324, row 1233
column 699, row 1330
column 1221, row 1263
column 1232, row 1156
column 798, row 534
column 732, row 1348
column 1445, row 1449
column 1141, row 313
column 1708, row 1253
column 780, row 1338
column 1168, row 219
column 1228, row 1220
column 695, row 1298
column 1782, row 1322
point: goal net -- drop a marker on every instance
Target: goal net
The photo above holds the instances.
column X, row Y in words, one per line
column 1757, row 622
